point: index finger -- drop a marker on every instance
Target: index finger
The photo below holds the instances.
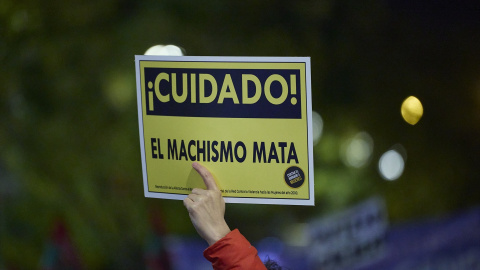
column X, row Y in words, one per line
column 206, row 176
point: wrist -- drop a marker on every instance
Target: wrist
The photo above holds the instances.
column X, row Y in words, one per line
column 219, row 233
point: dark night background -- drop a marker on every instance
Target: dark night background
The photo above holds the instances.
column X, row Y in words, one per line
column 69, row 145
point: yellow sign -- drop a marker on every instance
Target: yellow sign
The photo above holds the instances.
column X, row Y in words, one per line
column 247, row 119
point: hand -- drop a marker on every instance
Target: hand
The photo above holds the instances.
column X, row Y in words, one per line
column 206, row 208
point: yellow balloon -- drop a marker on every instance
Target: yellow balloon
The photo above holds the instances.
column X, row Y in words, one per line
column 412, row 110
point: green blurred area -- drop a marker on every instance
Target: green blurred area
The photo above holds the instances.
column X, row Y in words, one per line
column 69, row 145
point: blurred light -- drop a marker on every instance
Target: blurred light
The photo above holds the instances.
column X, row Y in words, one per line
column 356, row 152
column 412, row 110
column 295, row 235
column 117, row 89
column 391, row 165
column 19, row 20
column 171, row 50
column 317, row 127
column 271, row 247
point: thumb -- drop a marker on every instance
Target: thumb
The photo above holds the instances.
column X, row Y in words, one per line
column 206, row 176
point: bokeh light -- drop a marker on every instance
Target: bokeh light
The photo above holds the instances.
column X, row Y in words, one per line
column 391, row 165
column 171, row 50
column 117, row 89
column 356, row 151
column 271, row 248
column 412, row 110
column 317, row 127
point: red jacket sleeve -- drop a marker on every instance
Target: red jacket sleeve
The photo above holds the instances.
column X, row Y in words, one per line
column 233, row 252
